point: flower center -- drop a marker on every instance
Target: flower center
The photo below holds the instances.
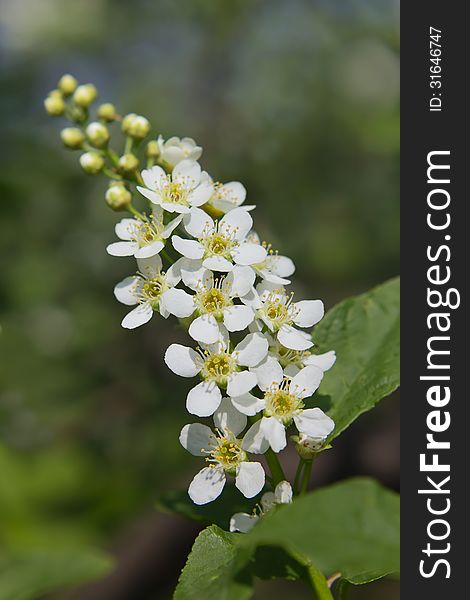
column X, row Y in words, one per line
column 214, row 301
column 146, row 234
column 218, row 367
column 281, row 404
column 278, row 309
column 175, row 193
column 227, row 453
column 152, row 289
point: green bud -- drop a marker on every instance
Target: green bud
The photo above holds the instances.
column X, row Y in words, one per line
column 152, row 150
column 118, row 197
column 97, row 134
column 91, row 162
column 107, row 112
column 128, row 163
column 67, row 84
column 54, row 104
column 72, row 137
column 85, row 95
column 135, row 126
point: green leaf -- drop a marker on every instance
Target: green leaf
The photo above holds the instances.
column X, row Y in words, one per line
column 211, row 570
column 27, row 576
column 364, row 331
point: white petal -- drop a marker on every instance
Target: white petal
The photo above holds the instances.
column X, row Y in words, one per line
column 183, row 361
column 283, row 493
column 268, row 500
column 250, row 478
column 139, row 316
column 207, row 485
column 251, row 350
column 204, row 329
column 196, row 438
column 187, row 172
column 154, row 197
column 237, row 222
column 126, row 290
column 178, row 302
column 154, row 177
column 126, row 228
column 248, row 254
column 189, row 248
column 218, row 263
column 308, row 312
column 197, row 221
column 248, row 404
column 171, row 226
column 150, row 250
column 195, row 275
column 292, row 338
column 234, row 191
column 240, row 383
column 314, row 423
column 306, row 382
column 238, row 317
column 201, row 194
column 243, row 280
column 252, row 299
column 280, row 265
column 255, row 440
column 242, row 522
column 267, row 373
column 322, row 361
column 228, row 418
column 275, row 433
column 204, row 399
column 173, row 274
column 122, row 248
column 150, row 267
column 175, row 208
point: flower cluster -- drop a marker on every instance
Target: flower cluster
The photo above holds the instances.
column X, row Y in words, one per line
column 199, row 260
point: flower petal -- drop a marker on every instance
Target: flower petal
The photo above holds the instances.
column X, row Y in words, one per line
column 248, row 254
column 171, row 226
column 151, row 266
column 137, row 317
column 218, row 263
column 204, row 399
column 195, row 275
column 238, row 317
column 187, row 172
column 197, row 221
column 283, row 493
column 251, row 350
column 242, row 522
column 126, row 228
column 268, row 372
column 122, row 248
column 243, row 280
column 314, row 423
column 154, row 197
column 308, row 312
column 275, row 433
column 150, row 250
column 228, row 418
column 189, row 248
column 237, row 222
column 255, row 440
column 196, row 437
column 282, row 266
column 250, row 478
column 205, row 329
column 240, row 383
column 292, row 338
column 183, row 361
column 154, row 177
column 248, row 404
column 306, row 382
column 201, row 194
column 322, row 361
column 126, row 290
column 178, row 302
column 207, row 485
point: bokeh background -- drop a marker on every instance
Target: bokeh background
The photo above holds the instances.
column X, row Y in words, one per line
column 296, row 98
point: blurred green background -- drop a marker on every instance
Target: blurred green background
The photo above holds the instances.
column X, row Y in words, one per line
column 298, row 100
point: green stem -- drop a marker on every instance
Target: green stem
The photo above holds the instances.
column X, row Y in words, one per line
column 342, row 587
column 128, row 146
column 297, row 475
column 136, row 213
column 113, row 156
column 111, row 174
column 316, row 578
column 166, row 256
column 275, row 467
column 306, row 476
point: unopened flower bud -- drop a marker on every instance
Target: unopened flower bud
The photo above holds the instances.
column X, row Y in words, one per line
column 67, row 84
column 54, row 104
column 128, row 163
column 97, row 134
column 72, row 137
column 152, row 150
column 307, row 447
column 135, row 126
column 118, row 197
column 91, row 162
column 106, row 111
column 85, row 95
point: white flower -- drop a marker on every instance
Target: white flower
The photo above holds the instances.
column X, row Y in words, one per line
column 226, row 197
column 275, row 268
column 225, row 455
column 143, row 238
column 282, row 404
column 180, row 190
column 243, row 522
column 147, row 289
column 218, row 368
column 174, row 150
column 218, row 245
column 213, row 302
column 279, row 313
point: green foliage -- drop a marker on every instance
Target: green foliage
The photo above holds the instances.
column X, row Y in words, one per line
column 27, row 576
column 364, row 331
column 350, row 528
